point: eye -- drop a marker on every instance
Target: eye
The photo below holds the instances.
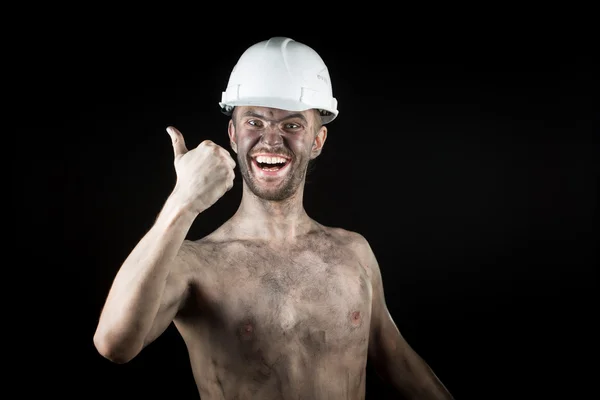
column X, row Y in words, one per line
column 291, row 125
column 255, row 123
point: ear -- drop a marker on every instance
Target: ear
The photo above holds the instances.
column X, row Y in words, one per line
column 232, row 138
column 319, row 142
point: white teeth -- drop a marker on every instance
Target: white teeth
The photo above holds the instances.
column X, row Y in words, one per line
column 270, row 160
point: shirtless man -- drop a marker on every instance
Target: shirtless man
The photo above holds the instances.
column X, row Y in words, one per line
column 272, row 304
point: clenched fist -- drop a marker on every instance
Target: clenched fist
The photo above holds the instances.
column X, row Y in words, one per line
column 204, row 173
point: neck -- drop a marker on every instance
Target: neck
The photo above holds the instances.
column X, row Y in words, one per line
column 274, row 221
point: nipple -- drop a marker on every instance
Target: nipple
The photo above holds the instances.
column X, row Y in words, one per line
column 246, row 330
column 355, row 318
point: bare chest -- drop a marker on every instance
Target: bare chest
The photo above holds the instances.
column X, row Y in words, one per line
column 298, row 300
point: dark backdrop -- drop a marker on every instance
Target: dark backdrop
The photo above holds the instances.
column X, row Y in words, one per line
column 467, row 163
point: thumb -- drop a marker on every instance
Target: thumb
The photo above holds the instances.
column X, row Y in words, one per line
column 177, row 140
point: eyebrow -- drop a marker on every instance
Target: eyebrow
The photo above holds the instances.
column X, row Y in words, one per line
column 290, row 116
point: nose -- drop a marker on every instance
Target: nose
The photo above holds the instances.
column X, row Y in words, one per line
column 271, row 136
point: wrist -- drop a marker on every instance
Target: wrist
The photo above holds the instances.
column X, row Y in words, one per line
column 176, row 210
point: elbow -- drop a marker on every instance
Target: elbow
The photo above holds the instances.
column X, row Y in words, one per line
column 115, row 350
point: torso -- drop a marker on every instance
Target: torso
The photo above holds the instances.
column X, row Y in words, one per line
column 266, row 322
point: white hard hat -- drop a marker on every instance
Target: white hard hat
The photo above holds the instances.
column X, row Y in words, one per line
column 281, row 73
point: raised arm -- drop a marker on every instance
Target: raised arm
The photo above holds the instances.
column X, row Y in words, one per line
column 393, row 358
column 152, row 283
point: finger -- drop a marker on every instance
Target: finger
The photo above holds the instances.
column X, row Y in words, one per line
column 177, row 141
column 206, row 143
column 230, row 159
column 230, row 181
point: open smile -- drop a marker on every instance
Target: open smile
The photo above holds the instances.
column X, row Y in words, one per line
column 270, row 164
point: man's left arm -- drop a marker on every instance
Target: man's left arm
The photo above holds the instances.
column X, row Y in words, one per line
column 393, row 358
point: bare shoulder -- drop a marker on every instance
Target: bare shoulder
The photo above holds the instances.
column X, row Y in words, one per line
column 212, row 253
column 202, row 263
column 200, row 252
column 346, row 236
column 195, row 257
column 354, row 241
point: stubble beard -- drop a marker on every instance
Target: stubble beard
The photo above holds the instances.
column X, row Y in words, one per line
column 283, row 191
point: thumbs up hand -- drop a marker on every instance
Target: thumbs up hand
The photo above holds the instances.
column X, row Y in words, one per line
column 204, row 173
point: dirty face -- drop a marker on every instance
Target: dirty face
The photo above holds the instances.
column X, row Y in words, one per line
column 274, row 148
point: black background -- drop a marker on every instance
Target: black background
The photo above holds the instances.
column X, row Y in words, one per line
column 466, row 160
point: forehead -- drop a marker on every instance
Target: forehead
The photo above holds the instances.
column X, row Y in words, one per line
column 274, row 113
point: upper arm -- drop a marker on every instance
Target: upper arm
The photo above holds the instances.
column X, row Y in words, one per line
column 384, row 336
column 176, row 291
column 393, row 358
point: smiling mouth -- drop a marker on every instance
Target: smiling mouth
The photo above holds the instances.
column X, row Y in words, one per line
column 270, row 163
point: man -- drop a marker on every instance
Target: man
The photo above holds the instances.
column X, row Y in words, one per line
column 272, row 304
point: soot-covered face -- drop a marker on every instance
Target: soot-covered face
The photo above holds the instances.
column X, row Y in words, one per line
column 274, row 147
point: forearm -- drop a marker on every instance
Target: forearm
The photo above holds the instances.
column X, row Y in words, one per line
column 135, row 296
column 409, row 374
